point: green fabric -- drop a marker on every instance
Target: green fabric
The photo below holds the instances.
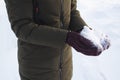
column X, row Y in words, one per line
column 42, row 50
column 21, row 18
column 76, row 22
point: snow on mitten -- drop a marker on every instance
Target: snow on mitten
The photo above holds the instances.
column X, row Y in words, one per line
column 105, row 41
column 81, row 44
column 101, row 41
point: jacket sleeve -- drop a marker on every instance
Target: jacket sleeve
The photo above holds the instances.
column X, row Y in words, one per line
column 76, row 22
column 20, row 13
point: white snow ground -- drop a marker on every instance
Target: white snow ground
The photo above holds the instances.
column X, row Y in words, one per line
column 103, row 15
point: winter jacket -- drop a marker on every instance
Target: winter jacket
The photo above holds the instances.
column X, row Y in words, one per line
column 41, row 28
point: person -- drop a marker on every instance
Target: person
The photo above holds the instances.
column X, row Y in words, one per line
column 46, row 30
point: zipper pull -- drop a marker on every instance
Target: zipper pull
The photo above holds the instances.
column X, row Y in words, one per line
column 36, row 9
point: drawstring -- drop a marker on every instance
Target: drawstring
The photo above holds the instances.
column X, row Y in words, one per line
column 35, row 6
column 35, row 11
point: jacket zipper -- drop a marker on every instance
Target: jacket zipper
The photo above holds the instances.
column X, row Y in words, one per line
column 60, row 66
column 61, row 14
column 61, row 25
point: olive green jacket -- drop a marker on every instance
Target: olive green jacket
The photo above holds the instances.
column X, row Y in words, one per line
column 41, row 32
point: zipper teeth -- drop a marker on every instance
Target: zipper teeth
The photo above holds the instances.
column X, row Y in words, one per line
column 60, row 65
column 61, row 14
column 61, row 24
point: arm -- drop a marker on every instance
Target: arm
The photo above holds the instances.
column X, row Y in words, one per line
column 76, row 22
column 20, row 13
column 84, row 40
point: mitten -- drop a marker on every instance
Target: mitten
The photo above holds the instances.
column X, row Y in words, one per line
column 100, row 40
column 81, row 44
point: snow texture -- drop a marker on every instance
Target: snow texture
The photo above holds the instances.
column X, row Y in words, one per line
column 99, row 40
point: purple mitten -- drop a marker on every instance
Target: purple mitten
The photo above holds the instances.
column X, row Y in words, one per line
column 82, row 44
column 98, row 39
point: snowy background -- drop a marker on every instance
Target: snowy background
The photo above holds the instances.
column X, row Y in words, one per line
column 103, row 15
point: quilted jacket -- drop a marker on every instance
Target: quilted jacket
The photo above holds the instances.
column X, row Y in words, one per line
column 41, row 27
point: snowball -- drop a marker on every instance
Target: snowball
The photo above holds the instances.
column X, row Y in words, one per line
column 98, row 39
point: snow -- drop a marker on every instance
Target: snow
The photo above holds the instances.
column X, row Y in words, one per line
column 98, row 39
column 102, row 15
column 91, row 35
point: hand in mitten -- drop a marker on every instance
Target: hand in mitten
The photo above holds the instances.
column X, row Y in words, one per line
column 81, row 44
column 98, row 39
